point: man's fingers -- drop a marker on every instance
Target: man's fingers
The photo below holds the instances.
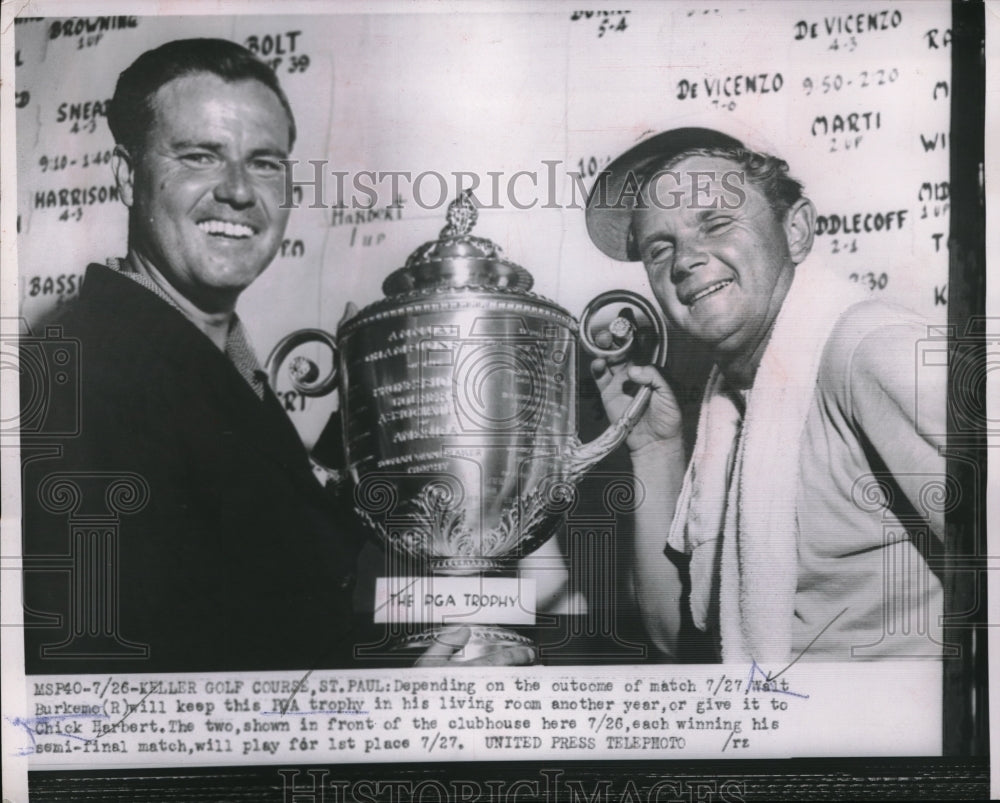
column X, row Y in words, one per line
column 599, row 370
column 447, row 644
column 444, row 646
column 604, row 375
column 647, row 375
column 503, row 656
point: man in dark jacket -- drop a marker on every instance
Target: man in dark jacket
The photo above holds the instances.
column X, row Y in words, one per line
column 199, row 537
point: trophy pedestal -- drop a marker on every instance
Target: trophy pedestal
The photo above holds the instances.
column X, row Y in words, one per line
column 484, row 638
column 419, row 611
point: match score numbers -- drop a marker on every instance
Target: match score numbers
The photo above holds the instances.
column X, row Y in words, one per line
column 280, row 51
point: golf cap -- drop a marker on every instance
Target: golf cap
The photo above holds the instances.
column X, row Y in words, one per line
column 608, row 221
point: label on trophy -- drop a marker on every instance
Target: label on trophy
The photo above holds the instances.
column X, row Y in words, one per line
column 455, row 600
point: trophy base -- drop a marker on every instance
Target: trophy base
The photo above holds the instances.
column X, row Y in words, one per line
column 484, row 639
column 470, row 566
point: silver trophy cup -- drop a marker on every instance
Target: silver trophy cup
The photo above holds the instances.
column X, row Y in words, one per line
column 458, row 406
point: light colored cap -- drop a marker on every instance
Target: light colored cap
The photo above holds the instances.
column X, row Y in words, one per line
column 609, row 214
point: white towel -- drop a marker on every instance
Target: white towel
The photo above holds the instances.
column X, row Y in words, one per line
column 742, row 480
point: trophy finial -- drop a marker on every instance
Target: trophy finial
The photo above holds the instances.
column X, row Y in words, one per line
column 462, row 215
column 457, row 258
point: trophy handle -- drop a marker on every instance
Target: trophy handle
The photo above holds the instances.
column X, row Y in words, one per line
column 303, row 371
column 613, row 340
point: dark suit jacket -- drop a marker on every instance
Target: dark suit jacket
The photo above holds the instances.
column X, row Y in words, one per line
column 238, row 559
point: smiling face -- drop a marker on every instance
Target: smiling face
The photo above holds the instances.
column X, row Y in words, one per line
column 720, row 261
column 205, row 190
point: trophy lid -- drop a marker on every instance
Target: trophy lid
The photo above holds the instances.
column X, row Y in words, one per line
column 457, row 259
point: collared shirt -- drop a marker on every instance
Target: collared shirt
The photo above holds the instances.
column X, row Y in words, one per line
column 238, row 348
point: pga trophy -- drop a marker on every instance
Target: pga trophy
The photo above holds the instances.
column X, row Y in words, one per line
column 458, row 396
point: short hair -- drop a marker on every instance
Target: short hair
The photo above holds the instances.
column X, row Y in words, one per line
column 130, row 112
column 768, row 173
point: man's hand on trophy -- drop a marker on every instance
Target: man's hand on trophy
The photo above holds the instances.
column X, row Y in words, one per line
column 448, row 650
column 662, row 419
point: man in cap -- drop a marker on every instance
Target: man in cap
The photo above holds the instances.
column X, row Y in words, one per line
column 230, row 553
column 802, row 522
